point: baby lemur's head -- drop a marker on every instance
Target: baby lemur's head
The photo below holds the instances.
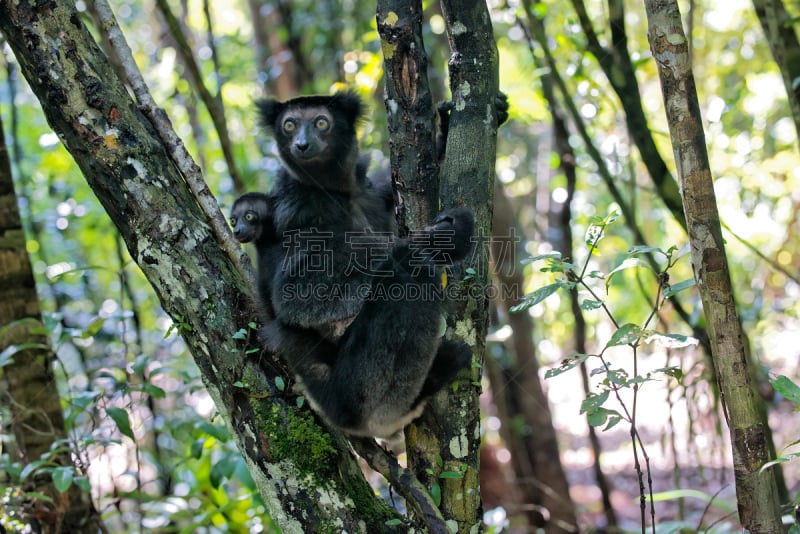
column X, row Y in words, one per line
column 316, row 137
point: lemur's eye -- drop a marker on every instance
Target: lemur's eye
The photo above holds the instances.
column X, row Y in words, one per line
column 233, row 221
column 321, row 123
column 250, row 216
column 289, row 125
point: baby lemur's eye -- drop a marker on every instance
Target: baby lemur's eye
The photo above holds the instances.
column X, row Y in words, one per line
column 321, row 123
column 289, row 125
column 249, row 216
column 233, row 221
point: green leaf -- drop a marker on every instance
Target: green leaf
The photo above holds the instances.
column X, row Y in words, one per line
column 538, row 257
column 594, row 401
column 643, row 249
column 674, row 289
column 613, row 420
column 393, row 522
column 121, row 419
column 215, row 431
column 568, row 363
column 299, row 401
column 154, row 391
column 532, row 299
column 140, row 364
column 618, row 377
column 83, row 483
column 674, row 372
column 596, row 418
column 62, row 478
column 240, row 334
column 451, row 474
column 279, row 383
column 625, row 335
column 786, row 388
column 221, row 470
column 6, row 357
column 629, row 263
column 38, row 496
column 30, row 468
column 436, row 494
column 589, row 305
column 93, row 327
column 196, row 450
column 780, row 460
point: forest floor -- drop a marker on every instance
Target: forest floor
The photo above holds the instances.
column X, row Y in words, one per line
column 688, row 459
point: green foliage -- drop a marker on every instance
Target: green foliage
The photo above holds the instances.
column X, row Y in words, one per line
column 573, row 278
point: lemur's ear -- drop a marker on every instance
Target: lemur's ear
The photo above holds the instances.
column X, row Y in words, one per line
column 350, row 104
column 268, row 112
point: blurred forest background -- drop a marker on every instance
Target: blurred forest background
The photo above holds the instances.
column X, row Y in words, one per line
column 584, row 168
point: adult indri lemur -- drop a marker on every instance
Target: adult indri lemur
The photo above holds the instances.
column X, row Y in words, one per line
column 357, row 312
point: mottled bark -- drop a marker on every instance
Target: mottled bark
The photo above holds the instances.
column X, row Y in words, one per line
column 447, row 437
column 308, row 478
column 410, row 113
column 32, row 394
column 451, row 428
column 756, row 492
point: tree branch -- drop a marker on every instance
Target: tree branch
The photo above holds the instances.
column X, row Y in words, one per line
column 404, row 481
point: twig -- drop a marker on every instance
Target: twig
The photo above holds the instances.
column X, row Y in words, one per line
column 213, row 104
column 404, row 481
column 177, row 151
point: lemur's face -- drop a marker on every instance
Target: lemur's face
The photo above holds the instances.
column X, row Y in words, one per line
column 248, row 217
column 307, row 132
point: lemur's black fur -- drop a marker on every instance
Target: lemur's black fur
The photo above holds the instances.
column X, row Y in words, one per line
column 357, row 312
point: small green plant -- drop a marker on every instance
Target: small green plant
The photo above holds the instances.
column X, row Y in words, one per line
column 588, row 287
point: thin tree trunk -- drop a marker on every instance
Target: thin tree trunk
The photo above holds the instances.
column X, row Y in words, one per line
column 37, row 419
column 276, row 61
column 756, row 492
column 782, row 38
column 615, row 60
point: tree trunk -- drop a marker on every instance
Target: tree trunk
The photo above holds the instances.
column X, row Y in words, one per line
column 309, row 478
column 446, row 439
column 33, row 400
column 410, row 114
column 756, row 492
column 451, row 431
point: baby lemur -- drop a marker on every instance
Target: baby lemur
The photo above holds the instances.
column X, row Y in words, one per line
column 357, row 311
